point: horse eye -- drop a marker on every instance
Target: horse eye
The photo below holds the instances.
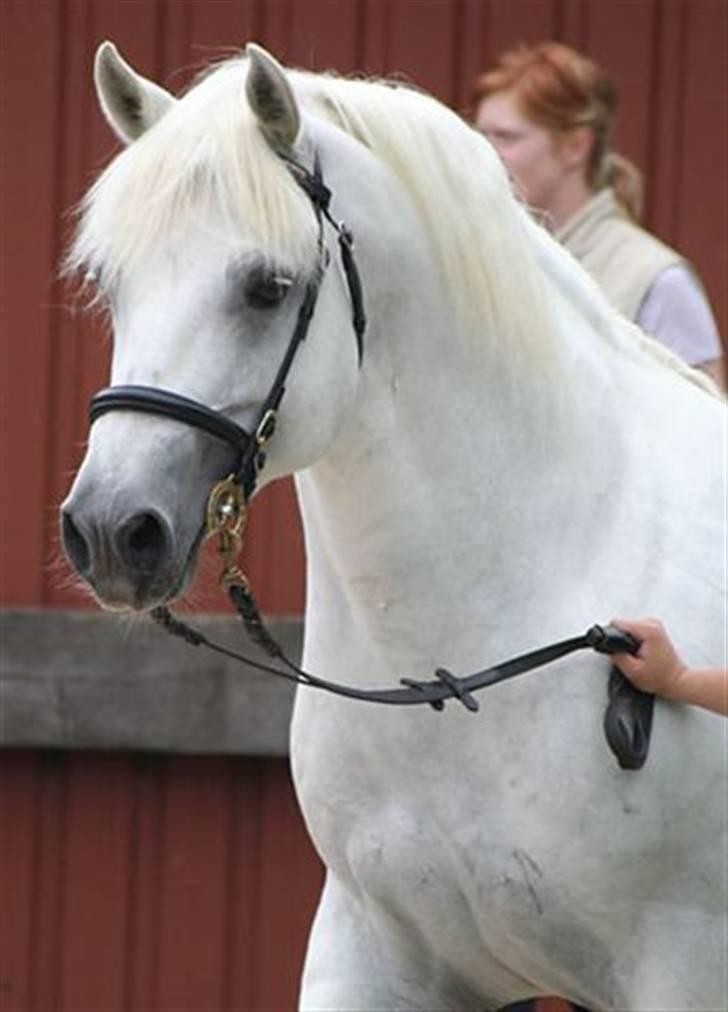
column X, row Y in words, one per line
column 266, row 290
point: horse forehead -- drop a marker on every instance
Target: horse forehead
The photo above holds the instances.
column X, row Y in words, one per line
column 186, row 281
column 146, row 203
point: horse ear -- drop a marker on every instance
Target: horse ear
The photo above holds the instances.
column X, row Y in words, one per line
column 271, row 98
column 130, row 103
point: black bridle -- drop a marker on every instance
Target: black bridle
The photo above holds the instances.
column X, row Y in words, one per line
column 226, row 506
column 445, row 685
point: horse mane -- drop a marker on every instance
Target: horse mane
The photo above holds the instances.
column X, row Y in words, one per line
column 492, row 250
column 207, row 152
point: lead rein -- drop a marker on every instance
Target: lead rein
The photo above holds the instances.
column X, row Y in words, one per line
column 603, row 639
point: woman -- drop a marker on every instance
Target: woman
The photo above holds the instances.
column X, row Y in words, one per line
column 548, row 111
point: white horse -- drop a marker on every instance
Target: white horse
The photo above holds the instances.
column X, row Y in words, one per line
column 511, row 462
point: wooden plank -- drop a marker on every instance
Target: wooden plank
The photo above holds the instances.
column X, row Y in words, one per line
column 528, row 21
column 219, row 29
column 258, row 541
column 291, row 881
column 573, row 18
column 285, row 562
column 243, row 948
column 75, row 680
column 702, row 221
column 145, row 882
column 488, row 29
column 275, row 28
column 93, row 935
column 628, row 57
column 46, row 900
column 321, row 41
column 374, row 38
column 18, row 815
column 28, row 207
column 661, row 191
column 472, row 29
column 196, row 853
column 415, row 29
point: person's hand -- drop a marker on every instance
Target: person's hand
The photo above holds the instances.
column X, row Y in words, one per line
column 657, row 666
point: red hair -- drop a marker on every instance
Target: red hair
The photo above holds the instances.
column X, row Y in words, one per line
column 561, row 90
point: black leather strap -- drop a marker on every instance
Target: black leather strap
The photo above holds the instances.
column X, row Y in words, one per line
column 627, row 722
column 604, row 639
column 253, row 456
column 167, row 404
column 320, row 195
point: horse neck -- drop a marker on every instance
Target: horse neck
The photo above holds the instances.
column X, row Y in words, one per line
column 442, row 480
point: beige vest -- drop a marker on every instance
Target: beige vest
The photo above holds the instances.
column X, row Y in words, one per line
column 623, row 258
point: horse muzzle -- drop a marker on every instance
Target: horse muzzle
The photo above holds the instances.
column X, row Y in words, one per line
column 129, row 559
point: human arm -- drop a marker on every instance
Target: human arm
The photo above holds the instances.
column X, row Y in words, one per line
column 658, row 668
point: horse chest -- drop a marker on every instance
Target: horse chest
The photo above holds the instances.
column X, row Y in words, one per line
column 419, row 875
column 409, row 836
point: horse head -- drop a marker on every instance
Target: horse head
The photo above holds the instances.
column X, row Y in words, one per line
column 203, row 242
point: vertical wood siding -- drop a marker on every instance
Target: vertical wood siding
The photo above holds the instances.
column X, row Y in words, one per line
column 170, row 883
column 668, row 59
column 151, row 884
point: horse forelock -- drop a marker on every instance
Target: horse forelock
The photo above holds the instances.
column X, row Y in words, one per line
column 208, row 152
column 205, row 156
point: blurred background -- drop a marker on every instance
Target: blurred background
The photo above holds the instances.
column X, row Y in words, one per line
column 153, row 857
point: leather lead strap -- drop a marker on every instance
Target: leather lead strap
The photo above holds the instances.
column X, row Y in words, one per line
column 603, row 639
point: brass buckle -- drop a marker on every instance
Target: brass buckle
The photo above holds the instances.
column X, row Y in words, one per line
column 266, row 428
column 226, row 517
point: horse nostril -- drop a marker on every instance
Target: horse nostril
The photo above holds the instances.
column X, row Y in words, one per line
column 143, row 541
column 74, row 544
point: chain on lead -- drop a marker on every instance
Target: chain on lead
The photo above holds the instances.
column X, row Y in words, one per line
column 226, row 519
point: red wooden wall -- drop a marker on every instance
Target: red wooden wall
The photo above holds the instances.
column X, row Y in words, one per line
column 178, row 883
column 151, row 884
column 668, row 59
